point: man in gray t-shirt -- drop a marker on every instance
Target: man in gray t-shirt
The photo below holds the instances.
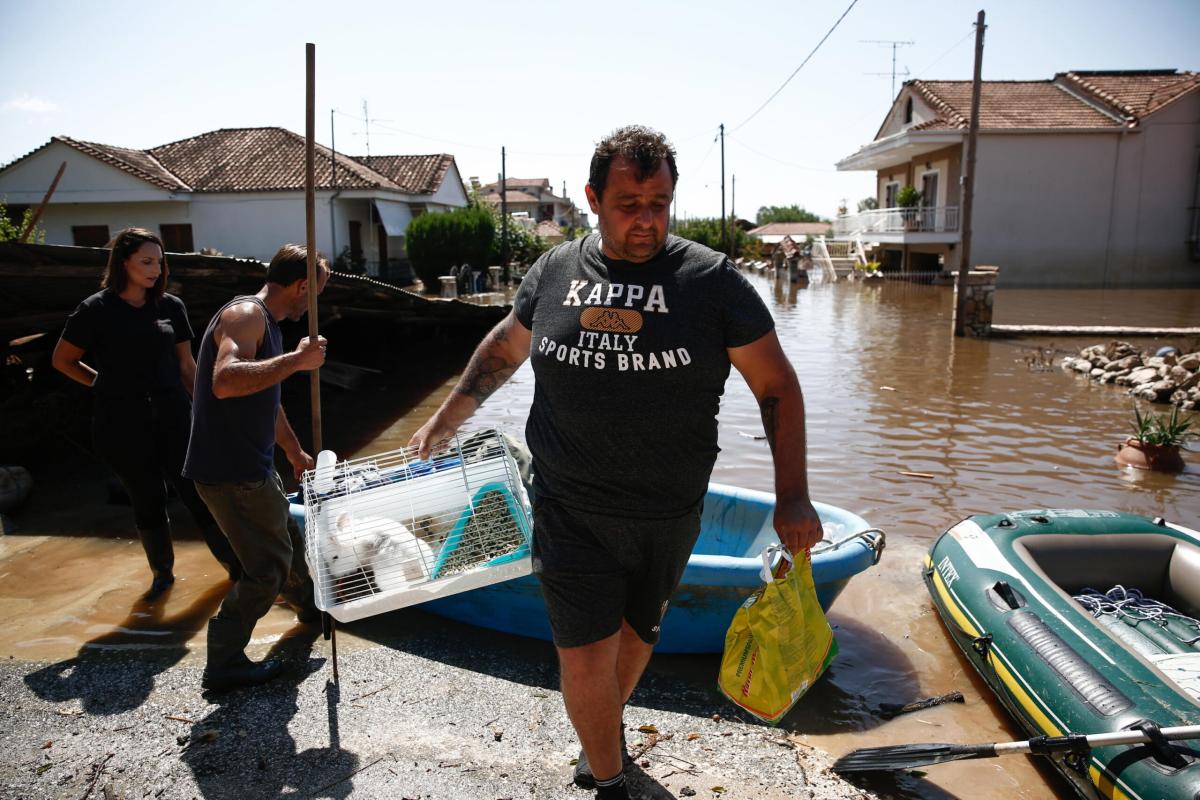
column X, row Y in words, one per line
column 632, row 333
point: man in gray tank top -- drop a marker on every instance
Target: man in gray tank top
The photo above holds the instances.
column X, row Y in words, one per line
column 631, row 333
column 237, row 421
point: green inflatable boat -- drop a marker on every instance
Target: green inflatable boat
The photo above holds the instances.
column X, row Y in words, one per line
column 1083, row 622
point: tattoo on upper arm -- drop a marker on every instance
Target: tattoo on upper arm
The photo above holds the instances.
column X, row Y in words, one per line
column 769, row 408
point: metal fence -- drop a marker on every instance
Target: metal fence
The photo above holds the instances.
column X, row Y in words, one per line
column 922, row 219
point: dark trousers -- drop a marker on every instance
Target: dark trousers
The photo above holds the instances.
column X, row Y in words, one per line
column 254, row 516
column 143, row 440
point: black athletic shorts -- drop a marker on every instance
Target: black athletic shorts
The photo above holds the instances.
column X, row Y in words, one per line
column 597, row 570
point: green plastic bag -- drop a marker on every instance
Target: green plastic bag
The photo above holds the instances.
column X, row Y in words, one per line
column 779, row 642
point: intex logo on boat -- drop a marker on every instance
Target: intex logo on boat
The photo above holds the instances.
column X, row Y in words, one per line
column 948, row 572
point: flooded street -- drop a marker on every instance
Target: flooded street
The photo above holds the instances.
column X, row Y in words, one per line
column 888, row 391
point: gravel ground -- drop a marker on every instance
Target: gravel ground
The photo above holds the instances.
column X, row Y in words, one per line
column 432, row 716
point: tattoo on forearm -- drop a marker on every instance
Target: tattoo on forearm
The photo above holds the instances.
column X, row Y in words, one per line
column 484, row 377
column 768, row 408
column 486, row 373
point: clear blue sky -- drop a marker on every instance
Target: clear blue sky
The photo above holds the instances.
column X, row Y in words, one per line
column 547, row 80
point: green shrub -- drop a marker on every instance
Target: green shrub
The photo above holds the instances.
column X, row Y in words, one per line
column 524, row 246
column 437, row 242
column 707, row 231
column 908, row 197
column 10, row 229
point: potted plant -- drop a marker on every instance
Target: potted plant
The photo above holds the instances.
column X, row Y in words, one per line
column 1157, row 441
column 867, row 270
column 908, row 198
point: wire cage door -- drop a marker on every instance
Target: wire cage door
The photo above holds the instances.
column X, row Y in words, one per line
column 391, row 531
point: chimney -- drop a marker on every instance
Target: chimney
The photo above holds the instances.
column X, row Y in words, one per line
column 474, row 182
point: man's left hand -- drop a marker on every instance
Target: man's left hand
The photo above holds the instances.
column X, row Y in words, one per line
column 797, row 523
column 300, row 461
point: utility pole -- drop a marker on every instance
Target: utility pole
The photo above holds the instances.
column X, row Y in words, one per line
column 724, row 240
column 333, row 253
column 504, row 214
column 968, row 199
column 894, row 45
column 367, row 127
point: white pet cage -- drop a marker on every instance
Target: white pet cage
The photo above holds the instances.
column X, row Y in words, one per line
column 391, row 531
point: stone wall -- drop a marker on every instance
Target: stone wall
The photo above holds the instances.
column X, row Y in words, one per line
column 1168, row 378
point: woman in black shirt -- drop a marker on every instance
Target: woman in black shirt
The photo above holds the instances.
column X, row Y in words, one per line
column 138, row 340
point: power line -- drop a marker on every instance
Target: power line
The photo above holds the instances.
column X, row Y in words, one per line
column 949, row 50
column 802, row 63
column 778, row 160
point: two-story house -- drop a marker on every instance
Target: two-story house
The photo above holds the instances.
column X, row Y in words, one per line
column 1087, row 179
column 534, row 198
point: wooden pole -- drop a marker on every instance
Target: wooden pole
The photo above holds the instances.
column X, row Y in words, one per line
column 968, row 197
column 504, row 255
column 310, row 226
column 310, row 221
column 37, row 215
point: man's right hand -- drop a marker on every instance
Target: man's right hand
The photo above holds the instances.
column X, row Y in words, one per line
column 310, row 354
column 432, row 436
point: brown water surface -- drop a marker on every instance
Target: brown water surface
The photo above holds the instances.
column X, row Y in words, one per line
column 888, row 390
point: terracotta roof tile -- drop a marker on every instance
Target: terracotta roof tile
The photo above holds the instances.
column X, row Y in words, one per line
column 1135, row 93
column 519, row 183
column 413, row 174
column 1071, row 100
column 259, row 159
column 1011, row 104
column 138, row 163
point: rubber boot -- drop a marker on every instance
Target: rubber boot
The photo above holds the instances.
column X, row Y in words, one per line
column 226, row 644
column 161, row 556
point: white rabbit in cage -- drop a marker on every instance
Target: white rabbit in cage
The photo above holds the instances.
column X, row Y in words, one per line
column 384, row 546
column 401, row 560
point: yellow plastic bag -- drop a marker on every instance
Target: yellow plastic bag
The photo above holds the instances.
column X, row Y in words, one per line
column 779, row 642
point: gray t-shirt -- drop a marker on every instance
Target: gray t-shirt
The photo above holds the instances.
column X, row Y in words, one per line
column 630, row 363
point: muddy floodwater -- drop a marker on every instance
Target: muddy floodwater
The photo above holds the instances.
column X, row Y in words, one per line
column 888, row 390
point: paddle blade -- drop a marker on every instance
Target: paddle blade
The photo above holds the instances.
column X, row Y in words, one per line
column 908, row 756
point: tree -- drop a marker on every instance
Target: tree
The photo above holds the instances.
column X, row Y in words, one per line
column 10, row 229
column 769, row 214
column 868, row 204
column 707, row 231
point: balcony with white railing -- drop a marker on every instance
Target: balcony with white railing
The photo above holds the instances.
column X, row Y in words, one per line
column 899, row 224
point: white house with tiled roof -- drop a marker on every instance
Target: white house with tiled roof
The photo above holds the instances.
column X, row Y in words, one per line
column 239, row 191
column 1088, row 179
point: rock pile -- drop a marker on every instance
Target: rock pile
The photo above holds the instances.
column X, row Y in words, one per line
column 1156, row 379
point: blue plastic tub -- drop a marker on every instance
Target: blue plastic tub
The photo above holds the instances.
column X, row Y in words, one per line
column 721, row 573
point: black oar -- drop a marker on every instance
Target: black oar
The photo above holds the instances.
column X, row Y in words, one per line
column 911, row 756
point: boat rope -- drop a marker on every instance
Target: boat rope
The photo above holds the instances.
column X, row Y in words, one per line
column 1133, row 605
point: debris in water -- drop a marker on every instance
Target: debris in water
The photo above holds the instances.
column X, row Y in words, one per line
column 890, row 710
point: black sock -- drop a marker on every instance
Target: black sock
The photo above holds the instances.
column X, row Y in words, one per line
column 612, row 788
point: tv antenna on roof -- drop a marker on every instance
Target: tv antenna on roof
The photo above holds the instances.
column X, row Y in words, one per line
column 895, row 45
